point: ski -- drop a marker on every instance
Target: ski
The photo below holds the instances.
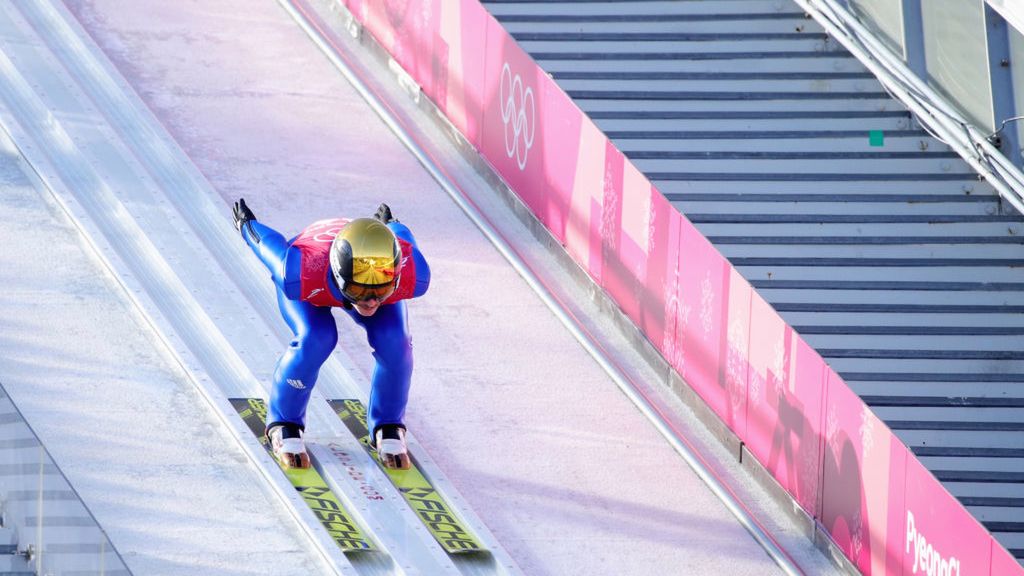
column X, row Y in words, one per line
column 445, row 526
column 308, row 482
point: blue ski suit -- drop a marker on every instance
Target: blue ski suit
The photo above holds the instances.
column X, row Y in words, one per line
column 315, row 333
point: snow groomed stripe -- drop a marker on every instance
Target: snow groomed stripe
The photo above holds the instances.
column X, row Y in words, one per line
column 324, row 503
column 823, row 445
column 444, row 525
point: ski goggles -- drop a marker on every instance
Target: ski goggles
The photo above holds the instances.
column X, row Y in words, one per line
column 361, row 292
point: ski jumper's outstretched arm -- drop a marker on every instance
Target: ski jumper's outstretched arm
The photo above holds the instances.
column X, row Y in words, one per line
column 269, row 245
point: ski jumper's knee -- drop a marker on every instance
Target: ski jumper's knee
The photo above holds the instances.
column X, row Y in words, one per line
column 315, row 336
column 394, row 352
column 387, row 333
column 313, row 346
column 315, row 333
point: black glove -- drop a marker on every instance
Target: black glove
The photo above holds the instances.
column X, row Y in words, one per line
column 243, row 217
column 384, row 214
column 242, row 214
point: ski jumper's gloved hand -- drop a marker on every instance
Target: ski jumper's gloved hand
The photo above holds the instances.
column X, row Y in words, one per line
column 402, row 232
column 244, row 221
column 384, row 214
column 242, row 214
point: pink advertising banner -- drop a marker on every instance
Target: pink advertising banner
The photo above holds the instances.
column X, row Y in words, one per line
column 531, row 131
column 582, row 234
column 862, row 483
column 785, row 399
column 736, row 350
column 463, row 32
column 703, row 290
column 661, row 268
column 1003, row 563
column 939, row 535
column 439, row 43
column 512, row 131
column 796, row 416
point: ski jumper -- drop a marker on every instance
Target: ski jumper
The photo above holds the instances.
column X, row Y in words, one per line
column 306, row 292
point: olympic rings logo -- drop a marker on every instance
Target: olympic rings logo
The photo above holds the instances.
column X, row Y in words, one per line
column 327, row 236
column 517, row 113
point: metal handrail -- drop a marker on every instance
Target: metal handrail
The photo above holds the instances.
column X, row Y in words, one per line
column 933, row 111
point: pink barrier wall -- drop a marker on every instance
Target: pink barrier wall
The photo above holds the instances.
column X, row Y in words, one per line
column 863, row 480
column 882, row 508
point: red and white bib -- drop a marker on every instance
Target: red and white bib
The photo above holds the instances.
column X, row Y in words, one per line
column 314, row 243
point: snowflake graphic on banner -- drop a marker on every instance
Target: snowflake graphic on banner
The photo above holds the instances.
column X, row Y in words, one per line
column 808, row 477
column 707, row 299
column 736, row 364
column 610, row 203
column 674, row 337
column 867, row 431
column 780, row 366
column 670, row 339
column 832, row 432
column 684, row 315
column 652, row 225
column 857, row 535
column 755, row 388
column 641, row 263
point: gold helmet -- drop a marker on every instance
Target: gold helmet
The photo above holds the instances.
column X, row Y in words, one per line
column 366, row 260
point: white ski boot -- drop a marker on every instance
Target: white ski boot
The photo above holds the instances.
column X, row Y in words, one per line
column 286, row 442
column 391, row 447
